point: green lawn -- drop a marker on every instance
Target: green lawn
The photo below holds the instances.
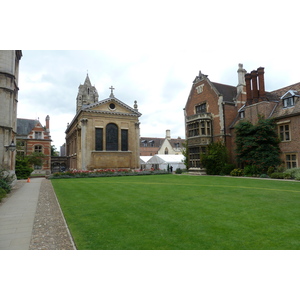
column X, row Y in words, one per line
column 181, row 212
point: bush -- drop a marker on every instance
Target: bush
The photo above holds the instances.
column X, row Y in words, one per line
column 293, row 173
column 277, row 175
column 5, row 186
column 237, row 172
column 178, row 171
column 270, row 170
column 215, row 159
column 2, row 193
column 227, row 169
column 23, row 170
column 264, row 176
column 251, row 170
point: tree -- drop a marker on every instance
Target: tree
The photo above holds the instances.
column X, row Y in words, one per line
column 185, row 153
column 54, row 151
column 258, row 145
column 216, row 159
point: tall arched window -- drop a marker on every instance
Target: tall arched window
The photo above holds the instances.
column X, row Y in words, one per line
column 166, row 151
column 111, row 137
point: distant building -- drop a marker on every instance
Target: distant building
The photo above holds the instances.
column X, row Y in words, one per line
column 9, row 87
column 32, row 137
column 150, row 146
column 103, row 134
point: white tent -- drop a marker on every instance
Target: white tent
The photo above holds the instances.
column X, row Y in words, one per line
column 143, row 161
column 161, row 162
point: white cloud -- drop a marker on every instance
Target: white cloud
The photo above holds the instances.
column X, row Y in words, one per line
column 149, row 52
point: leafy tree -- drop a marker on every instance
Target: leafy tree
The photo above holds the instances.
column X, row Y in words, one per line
column 258, row 145
column 185, row 153
column 35, row 158
column 216, row 159
column 53, row 151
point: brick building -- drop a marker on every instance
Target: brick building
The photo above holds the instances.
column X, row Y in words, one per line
column 31, row 137
column 213, row 109
column 283, row 105
column 210, row 110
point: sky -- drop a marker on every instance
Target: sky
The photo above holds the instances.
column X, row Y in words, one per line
column 150, row 53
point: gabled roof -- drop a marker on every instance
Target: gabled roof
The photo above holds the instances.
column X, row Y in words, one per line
column 92, row 107
column 25, row 126
column 228, row 92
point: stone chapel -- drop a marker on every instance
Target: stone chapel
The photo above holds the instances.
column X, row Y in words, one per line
column 103, row 134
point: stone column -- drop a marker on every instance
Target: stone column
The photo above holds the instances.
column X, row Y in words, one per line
column 137, row 156
column 83, row 143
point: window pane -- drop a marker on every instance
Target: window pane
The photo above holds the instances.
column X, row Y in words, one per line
column 112, row 137
column 99, row 139
column 124, row 140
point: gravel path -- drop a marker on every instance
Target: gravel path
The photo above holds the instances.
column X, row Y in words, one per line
column 49, row 230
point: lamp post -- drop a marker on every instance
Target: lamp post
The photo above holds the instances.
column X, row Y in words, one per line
column 12, row 147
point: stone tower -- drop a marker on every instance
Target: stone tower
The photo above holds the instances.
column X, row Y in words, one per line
column 87, row 94
column 9, row 75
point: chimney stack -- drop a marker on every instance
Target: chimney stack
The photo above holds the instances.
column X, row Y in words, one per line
column 248, row 88
column 241, row 78
column 261, row 80
column 254, row 84
column 168, row 134
column 48, row 123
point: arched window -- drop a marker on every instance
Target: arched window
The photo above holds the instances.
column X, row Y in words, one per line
column 166, row 151
column 111, row 137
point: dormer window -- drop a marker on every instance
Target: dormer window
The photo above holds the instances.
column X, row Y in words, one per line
column 144, row 142
column 288, row 102
column 289, row 98
column 151, row 143
column 242, row 114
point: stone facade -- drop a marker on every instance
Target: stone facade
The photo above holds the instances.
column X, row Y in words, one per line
column 103, row 134
column 9, row 73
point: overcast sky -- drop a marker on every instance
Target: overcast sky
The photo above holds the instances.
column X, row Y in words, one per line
column 150, row 53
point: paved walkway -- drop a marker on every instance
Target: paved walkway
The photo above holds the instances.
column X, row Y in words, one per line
column 17, row 216
column 31, row 218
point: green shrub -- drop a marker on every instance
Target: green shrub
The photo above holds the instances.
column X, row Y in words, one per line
column 237, row 172
column 227, row 169
column 270, row 170
column 264, row 176
column 2, row 193
column 178, row 171
column 277, row 175
column 251, row 170
column 5, row 186
column 215, row 159
column 292, row 173
column 23, row 170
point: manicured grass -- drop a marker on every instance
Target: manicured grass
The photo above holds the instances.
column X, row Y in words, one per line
column 181, row 212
